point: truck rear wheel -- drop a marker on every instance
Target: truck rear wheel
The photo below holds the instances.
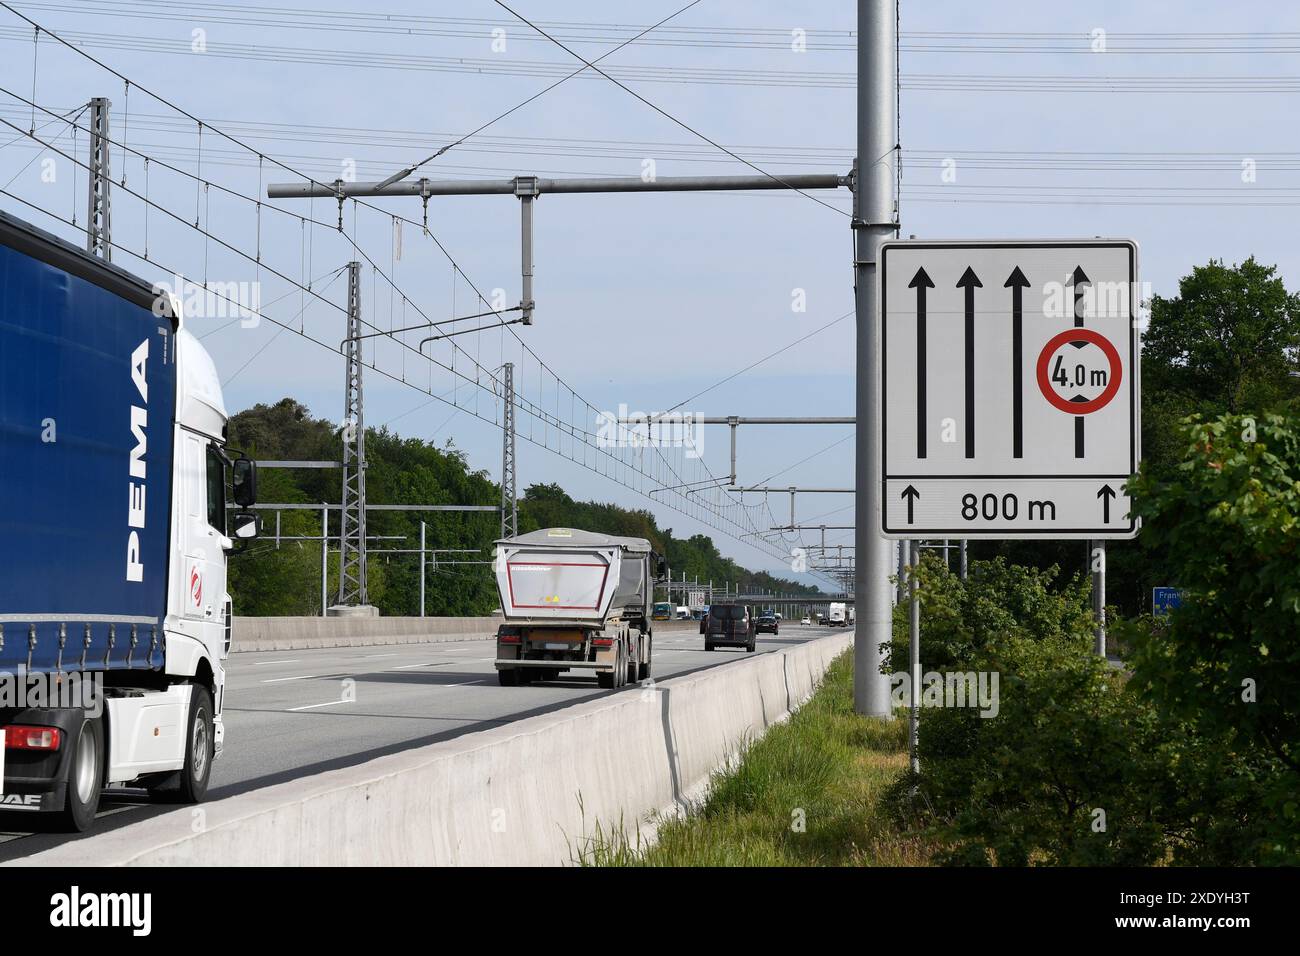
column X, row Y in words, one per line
column 199, row 747
column 643, row 672
column 85, row 776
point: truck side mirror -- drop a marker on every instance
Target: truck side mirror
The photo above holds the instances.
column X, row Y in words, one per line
column 243, row 482
column 245, row 525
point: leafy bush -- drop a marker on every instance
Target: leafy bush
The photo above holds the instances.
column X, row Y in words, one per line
column 1192, row 758
column 1227, row 663
column 959, row 619
column 1023, row 786
column 1059, row 776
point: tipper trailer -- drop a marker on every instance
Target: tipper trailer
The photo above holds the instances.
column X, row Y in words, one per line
column 114, row 534
column 575, row 600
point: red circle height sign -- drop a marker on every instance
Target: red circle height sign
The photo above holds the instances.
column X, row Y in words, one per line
column 1112, row 357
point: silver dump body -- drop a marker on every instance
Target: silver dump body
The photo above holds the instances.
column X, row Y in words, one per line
column 563, row 575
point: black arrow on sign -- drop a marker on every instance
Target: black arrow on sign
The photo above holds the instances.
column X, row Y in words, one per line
column 911, row 494
column 1080, row 278
column 1017, row 283
column 1106, row 494
column 970, row 282
column 920, row 282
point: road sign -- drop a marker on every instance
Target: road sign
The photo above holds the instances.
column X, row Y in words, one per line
column 1164, row 600
column 1009, row 388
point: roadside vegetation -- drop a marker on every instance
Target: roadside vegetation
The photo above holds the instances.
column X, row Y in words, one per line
column 1186, row 754
column 808, row 793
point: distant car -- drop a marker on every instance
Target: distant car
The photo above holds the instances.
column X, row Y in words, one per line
column 729, row 625
column 806, row 621
column 767, row 624
column 779, row 617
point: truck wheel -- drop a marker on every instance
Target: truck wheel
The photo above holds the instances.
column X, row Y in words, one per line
column 643, row 672
column 199, row 747
column 605, row 681
column 749, row 648
column 85, row 777
column 708, row 645
column 508, row 678
column 633, row 669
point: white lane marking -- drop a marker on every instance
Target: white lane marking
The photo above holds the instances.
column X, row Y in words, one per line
column 277, row 680
column 328, row 703
column 264, row 663
column 466, row 683
column 407, row 667
column 369, row 656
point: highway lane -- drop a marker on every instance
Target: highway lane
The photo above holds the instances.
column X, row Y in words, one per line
column 289, row 714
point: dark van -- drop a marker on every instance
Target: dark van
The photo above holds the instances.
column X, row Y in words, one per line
column 729, row 625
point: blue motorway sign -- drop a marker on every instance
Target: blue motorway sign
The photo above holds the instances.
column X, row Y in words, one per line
column 1164, row 600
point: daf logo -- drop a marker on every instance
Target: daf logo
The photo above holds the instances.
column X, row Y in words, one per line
column 21, row 801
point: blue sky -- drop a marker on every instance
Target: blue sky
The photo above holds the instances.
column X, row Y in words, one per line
column 646, row 300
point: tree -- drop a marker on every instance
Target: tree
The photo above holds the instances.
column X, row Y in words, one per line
column 270, row 580
column 1226, row 342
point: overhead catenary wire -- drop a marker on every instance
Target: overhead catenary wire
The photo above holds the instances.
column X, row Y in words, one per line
column 538, row 413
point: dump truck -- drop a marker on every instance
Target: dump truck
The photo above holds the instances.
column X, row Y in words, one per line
column 114, row 613
column 575, row 600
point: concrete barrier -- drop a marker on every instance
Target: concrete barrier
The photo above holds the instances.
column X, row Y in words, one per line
column 531, row 792
column 303, row 633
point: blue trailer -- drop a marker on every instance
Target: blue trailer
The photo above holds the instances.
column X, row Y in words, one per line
column 114, row 618
column 87, row 408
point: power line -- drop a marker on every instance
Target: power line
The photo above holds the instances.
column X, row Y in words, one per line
column 765, row 358
column 535, row 411
column 495, row 119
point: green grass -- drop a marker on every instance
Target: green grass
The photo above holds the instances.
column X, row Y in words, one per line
column 826, row 768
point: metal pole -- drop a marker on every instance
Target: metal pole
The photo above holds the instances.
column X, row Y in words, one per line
column 99, row 219
column 421, row 569
column 526, row 190
column 732, row 423
column 963, row 559
column 352, row 532
column 509, row 500
column 914, row 659
column 902, row 571
column 425, row 188
column 874, row 219
column 1099, row 596
column 324, row 558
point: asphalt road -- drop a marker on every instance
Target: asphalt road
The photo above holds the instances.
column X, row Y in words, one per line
column 289, row 714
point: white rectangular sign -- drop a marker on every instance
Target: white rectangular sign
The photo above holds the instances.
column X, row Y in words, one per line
column 1009, row 388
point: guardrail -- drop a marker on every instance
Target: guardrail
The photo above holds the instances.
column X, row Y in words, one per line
column 303, row 633
column 531, row 792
